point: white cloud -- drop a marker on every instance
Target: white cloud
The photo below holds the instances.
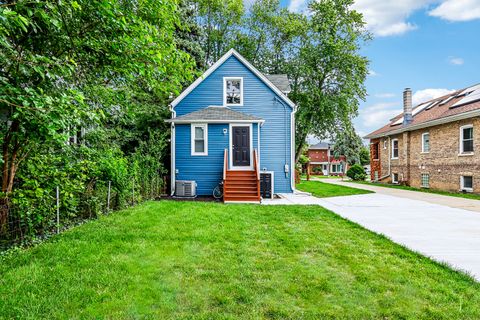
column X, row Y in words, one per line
column 428, row 94
column 456, row 61
column 298, row 5
column 457, row 10
column 386, row 18
column 378, row 114
column 385, row 95
column 372, row 73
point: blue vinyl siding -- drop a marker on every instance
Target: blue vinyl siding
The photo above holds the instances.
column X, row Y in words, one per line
column 207, row 170
column 260, row 101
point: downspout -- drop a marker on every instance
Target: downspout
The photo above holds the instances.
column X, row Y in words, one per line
column 172, row 154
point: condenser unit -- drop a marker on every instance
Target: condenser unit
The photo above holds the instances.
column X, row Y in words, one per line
column 185, row 189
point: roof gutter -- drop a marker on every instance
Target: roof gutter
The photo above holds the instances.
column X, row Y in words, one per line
column 431, row 123
column 213, row 121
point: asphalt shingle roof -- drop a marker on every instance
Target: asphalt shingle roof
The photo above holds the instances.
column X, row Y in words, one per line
column 320, row 146
column 280, row 81
column 215, row 113
column 455, row 103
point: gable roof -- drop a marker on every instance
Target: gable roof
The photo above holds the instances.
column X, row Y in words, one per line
column 280, row 81
column 233, row 52
column 461, row 104
column 215, row 114
column 320, row 146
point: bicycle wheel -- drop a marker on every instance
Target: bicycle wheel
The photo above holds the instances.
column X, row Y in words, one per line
column 217, row 193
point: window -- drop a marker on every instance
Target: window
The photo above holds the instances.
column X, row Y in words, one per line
column 233, row 91
column 199, row 141
column 426, row 142
column 466, row 139
column 337, row 168
column 395, row 149
column 466, row 183
column 425, row 180
column 395, row 178
column 385, row 144
column 375, row 151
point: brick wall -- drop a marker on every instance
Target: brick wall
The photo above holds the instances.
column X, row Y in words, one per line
column 443, row 163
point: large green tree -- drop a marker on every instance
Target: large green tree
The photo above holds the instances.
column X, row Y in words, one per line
column 71, row 64
column 328, row 73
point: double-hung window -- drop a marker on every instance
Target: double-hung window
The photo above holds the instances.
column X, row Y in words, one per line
column 395, row 149
column 233, row 91
column 199, row 133
column 426, row 142
column 466, row 139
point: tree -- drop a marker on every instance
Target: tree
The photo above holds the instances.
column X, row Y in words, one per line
column 364, row 156
column 349, row 144
column 76, row 63
column 329, row 72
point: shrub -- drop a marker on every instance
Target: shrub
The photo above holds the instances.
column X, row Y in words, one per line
column 356, row 173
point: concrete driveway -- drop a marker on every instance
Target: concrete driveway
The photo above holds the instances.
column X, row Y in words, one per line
column 446, row 234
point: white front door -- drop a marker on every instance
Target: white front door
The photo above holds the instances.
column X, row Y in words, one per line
column 325, row 169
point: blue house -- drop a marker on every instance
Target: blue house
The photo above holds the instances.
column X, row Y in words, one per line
column 236, row 125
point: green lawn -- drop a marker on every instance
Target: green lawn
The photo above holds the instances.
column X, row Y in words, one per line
column 191, row 260
column 325, row 190
column 444, row 193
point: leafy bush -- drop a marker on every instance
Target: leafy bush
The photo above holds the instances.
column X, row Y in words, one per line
column 356, row 173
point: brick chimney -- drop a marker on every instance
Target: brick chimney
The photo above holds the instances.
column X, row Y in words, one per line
column 407, row 106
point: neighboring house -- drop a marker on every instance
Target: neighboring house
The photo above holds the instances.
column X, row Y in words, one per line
column 323, row 161
column 236, row 125
column 434, row 145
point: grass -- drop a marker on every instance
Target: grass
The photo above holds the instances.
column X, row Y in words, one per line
column 325, row 190
column 473, row 196
column 190, row 260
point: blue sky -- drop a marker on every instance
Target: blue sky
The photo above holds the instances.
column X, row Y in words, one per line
column 431, row 46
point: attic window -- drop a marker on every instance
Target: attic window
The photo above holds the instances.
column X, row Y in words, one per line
column 232, row 91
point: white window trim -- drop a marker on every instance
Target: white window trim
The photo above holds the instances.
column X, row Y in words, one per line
column 461, row 140
column 462, row 184
column 225, row 92
column 394, row 181
column 398, row 149
column 423, row 142
column 205, row 138
column 230, row 147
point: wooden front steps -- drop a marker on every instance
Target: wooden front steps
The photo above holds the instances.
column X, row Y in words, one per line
column 241, row 186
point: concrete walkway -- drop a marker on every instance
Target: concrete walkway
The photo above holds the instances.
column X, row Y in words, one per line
column 453, row 202
column 446, row 234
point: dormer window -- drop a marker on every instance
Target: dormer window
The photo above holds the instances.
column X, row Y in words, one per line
column 233, row 91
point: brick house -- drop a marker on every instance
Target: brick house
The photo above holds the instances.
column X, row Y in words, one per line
column 433, row 145
column 323, row 162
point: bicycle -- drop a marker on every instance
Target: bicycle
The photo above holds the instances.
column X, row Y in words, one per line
column 218, row 191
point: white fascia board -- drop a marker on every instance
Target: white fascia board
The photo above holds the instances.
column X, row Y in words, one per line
column 218, row 64
column 436, row 122
column 214, row 121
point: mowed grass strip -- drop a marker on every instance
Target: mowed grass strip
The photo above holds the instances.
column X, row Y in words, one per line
column 325, row 190
column 190, row 260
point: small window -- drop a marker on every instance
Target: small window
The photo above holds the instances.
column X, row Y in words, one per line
column 466, row 139
column 426, row 142
column 336, row 168
column 394, row 149
column 395, row 178
column 233, row 91
column 466, row 183
column 385, row 144
column 199, row 134
column 425, row 180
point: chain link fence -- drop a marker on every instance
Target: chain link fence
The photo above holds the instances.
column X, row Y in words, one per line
column 23, row 228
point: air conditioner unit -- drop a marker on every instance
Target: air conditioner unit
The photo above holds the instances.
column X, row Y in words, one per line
column 185, row 189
